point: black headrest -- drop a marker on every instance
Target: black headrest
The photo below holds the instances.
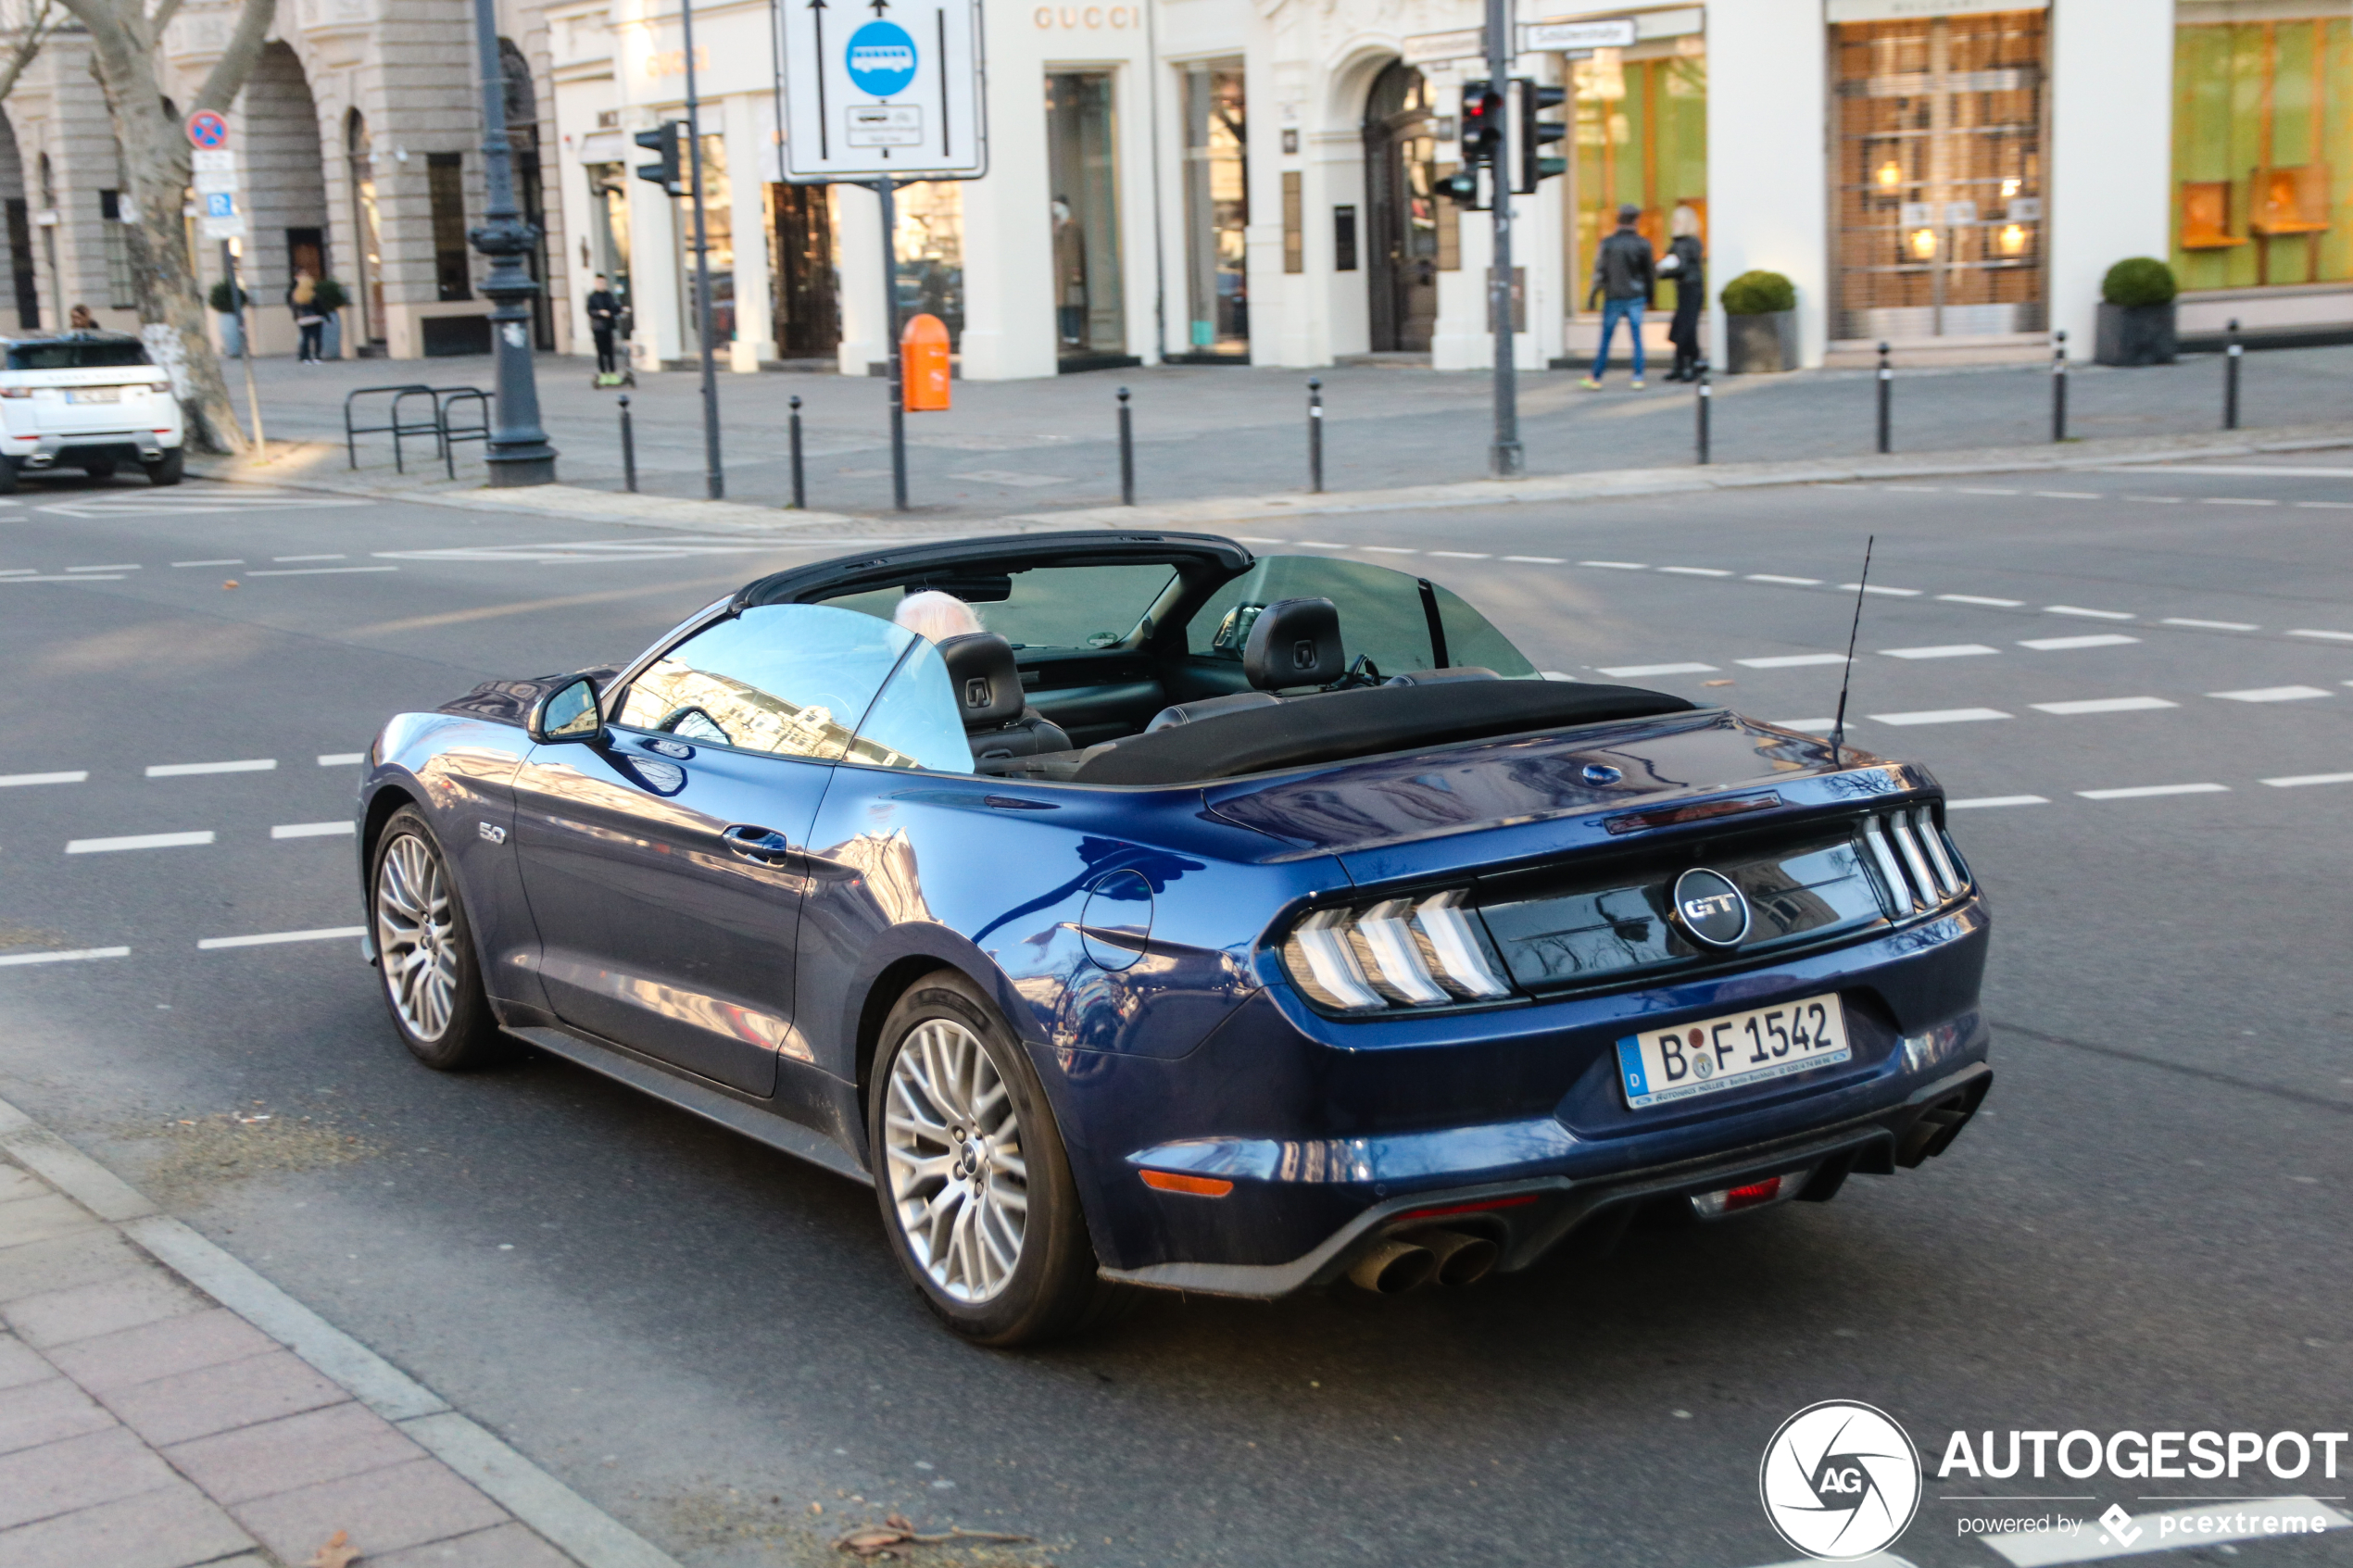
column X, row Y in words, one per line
column 988, row 682
column 1294, row 643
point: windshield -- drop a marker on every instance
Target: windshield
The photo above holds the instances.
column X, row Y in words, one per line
column 1383, row 616
column 100, row 356
column 1046, row 606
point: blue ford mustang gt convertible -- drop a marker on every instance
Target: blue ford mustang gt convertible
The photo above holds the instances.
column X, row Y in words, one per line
column 1208, row 921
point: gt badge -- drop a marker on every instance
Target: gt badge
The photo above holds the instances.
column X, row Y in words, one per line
column 1709, row 910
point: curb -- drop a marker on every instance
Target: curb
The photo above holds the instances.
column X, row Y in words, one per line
column 569, row 1521
column 739, row 519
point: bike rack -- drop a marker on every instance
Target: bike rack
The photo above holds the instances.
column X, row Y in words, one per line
column 396, row 428
column 447, row 398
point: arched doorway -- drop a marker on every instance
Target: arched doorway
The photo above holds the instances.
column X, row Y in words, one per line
column 285, row 196
column 1400, row 172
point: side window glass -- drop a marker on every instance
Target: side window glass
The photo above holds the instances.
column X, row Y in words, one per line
column 792, row 680
column 1382, row 616
column 915, row 722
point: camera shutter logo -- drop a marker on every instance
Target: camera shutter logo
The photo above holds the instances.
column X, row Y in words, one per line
column 1839, row 1480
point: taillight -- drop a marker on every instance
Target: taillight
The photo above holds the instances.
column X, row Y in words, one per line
column 1399, row 952
column 16, row 391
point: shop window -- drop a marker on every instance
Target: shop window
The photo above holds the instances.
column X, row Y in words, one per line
column 719, row 237
column 609, row 228
column 446, row 184
column 1218, row 210
column 1938, row 192
column 801, row 271
column 1090, row 318
column 2261, row 107
column 931, row 254
column 1640, row 139
column 120, row 294
column 1294, row 223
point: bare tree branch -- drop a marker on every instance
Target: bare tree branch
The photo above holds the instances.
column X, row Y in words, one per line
column 36, row 32
column 238, row 57
column 161, row 19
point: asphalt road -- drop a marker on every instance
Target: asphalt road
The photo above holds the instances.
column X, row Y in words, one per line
column 2145, row 1229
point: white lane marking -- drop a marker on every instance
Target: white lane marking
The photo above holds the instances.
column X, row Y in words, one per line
column 1791, row 660
column 2324, row 636
column 1616, row 565
column 2329, row 506
column 2141, row 791
column 1980, row 599
column 2103, row 705
column 1620, row 671
column 2062, row 645
column 2238, row 1520
column 137, row 840
column 312, row 830
column 2210, row 625
column 61, row 577
column 226, row 561
column 1806, row 724
column 2237, row 501
column 135, row 505
column 1941, row 716
column 2161, row 500
column 12, row 781
column 1875, row 588
column 2094, row 614
column 1967, row 490
column 2298, row 781
column 1791, row 581
column 75, row 955
column 1985, row 800
column 338, row 555
column 341, row 758
column 119, row 566
column 1312, row 544
column 1458, row 554
column 1916, row 489
column 1696, row 570
column 2273, row 694
column 2071, row 494
column 317, row 570
column 186, row 769
column 270, row 938
column 1538, row 560
column 1391, row 550
column 18, row 571
column 1946, row 650
column 2254, row 470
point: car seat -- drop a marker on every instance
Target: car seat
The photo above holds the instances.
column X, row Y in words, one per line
column 1291, row 643
column 999, row 721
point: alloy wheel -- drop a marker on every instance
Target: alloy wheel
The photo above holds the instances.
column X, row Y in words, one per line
column 417, row 937
column 952, row 1152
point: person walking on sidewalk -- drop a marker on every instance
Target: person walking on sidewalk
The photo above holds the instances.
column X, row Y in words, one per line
column 1625, row 276
column 604, row 315
column 1685, row 263
column 302, row 298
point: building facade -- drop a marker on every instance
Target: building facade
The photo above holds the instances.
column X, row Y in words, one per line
column 1253, row 181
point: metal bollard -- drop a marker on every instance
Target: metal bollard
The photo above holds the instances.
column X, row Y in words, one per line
column 1707, row 397
column 1126, row 453
column 2230, row 378
column 2058, row 386
column 628, row 448
column 1314, row 436
column 800, row 486
column 1886, row 402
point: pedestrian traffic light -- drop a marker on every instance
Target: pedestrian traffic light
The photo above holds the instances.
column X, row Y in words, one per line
column 663, row 142
column 1536, row 135
column 1482, row 124
column 1461, row 187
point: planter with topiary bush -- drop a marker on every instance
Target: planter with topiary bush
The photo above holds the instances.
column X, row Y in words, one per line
column 2136, row 314
column 1760, row 323
column 224, row 305
column 328, row 299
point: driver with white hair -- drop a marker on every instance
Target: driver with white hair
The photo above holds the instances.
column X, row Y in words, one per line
column 936, row 615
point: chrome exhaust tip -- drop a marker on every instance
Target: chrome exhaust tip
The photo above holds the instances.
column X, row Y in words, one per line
column 1462, row 1257
column 1395, row 1267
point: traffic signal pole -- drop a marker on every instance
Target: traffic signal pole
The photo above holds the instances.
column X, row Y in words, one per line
column 1505, row 458
column 713, row 479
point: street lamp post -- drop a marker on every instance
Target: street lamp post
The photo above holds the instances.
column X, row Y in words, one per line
column 519, row 453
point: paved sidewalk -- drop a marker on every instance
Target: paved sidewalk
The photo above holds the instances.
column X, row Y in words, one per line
column 145, row 1423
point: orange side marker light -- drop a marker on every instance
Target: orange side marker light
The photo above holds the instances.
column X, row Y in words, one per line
column 1199, row 1187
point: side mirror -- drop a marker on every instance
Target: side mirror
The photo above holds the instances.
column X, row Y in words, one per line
column 568, row 713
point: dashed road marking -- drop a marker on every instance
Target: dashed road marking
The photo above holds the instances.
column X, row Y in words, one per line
column 311, row 830
column 1619, row 672
column 317, row 570
column 1458, row 554
column 2071, row 494
column 341, row 759
column 119, row 566
column 2299, row 780
column 189, row 769
column 1875, row 588
column 1946, row 650
column 138, row 841
column 1616, row 565
column 61, row 577
column 2324, row 636
column 1986, row 800
column 225, row 560
column 2273, row 694
column 1695, row 570
column 1788, row 581
column 271, row 938
column 1389, row 550
column 1536, row 560
column 2237, row 501
column 1791, row 660
column 14, row 780
column 2210, row 625
column 1980, row 490
column 1941, row 716
column 338, row 556
column 1981, row 599
column 2103, row 705
column 2142, row 792
column 74, row 956
column 2064, row 644
column 2094, row 614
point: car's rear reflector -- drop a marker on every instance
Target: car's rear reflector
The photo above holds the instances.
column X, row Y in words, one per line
column 1440, row 1211
column 1749, row 1194
column 1199, row 1187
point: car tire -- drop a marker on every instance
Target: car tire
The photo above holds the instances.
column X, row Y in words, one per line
column 7, row 476
column 167, row 468
column 945, row 1051
column 425, row 962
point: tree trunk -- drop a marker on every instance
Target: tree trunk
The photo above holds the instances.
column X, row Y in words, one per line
column 156, row 157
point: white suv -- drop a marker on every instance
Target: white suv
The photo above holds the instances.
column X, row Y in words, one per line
column 92, row 401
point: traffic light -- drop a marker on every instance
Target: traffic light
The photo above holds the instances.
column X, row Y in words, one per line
column 1482, row 125
column 663, row 142
column 1461, row 187
column 1536, row 135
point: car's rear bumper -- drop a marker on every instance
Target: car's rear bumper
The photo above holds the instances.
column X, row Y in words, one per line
column 56, row 448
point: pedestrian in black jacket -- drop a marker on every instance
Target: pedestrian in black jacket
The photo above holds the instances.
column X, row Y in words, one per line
column 604, row 314
column 1624, row 279
column 1685, row 263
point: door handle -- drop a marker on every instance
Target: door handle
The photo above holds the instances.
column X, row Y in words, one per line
column 766, row 845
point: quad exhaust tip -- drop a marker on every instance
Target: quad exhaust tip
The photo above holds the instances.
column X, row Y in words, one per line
column 1401, row 1263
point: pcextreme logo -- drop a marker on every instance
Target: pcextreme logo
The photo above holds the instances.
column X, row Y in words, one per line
column 1839, row 1480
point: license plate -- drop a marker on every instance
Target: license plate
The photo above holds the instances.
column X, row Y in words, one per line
column 1665, row 1065
column 95, row 395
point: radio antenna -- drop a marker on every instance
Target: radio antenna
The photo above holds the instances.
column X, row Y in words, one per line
column 1846, row 676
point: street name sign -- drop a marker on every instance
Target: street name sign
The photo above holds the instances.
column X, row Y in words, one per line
column 1613, row 33
column 1430, row 48
column 886, row 89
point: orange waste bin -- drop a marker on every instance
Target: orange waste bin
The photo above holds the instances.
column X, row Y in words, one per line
column 923, row 354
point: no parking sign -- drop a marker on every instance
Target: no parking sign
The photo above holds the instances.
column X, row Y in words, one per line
column 208, row 130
